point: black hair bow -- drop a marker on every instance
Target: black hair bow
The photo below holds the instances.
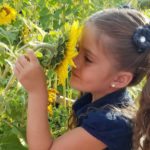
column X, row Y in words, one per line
column 141, row 38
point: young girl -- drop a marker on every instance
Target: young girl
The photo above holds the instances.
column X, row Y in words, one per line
column 114, row 52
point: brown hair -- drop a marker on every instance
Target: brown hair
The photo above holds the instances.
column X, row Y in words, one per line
column 118, row 25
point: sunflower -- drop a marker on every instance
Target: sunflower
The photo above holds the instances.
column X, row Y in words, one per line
column 25, row 34
column 52, row 93
column 70, row 53
column 50, row 109
column 7, row 14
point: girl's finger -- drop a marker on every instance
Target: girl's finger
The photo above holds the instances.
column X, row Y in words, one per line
column 16, row 71
column 23, row 61
column 32, row 56
column 19, row 60
column 18, row 66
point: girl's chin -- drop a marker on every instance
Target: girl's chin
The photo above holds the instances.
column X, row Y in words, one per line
column 73, row 80
column 74, row 84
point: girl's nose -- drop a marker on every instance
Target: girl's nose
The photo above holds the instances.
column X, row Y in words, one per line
column 77, row 61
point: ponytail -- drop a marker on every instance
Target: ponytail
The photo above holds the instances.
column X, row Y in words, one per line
column 141, row 138
column 72, row 121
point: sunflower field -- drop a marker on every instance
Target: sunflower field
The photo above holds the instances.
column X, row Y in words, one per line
column 51, row 29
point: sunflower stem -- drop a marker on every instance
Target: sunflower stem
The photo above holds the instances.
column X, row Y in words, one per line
column 10, row 82
column 6, row 70
column 55, row 86
column 64, row 94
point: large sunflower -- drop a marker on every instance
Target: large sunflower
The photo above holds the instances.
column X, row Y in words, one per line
column 70, row 53
column 7, row 14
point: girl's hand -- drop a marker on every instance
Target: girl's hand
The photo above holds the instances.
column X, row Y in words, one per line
column 30, row 73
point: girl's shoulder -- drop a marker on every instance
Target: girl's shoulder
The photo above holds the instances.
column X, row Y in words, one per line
column 105, row 118
column 105, row 123
column 110, row 127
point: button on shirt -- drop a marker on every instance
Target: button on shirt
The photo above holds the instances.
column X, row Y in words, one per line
column 101, row 120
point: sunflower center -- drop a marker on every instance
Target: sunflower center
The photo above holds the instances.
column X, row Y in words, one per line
column 6, row 10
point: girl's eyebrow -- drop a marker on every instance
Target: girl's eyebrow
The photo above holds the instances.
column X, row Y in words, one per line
column 94, row 56
column 90, row 53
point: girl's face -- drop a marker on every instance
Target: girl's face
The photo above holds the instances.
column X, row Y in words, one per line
column 94, row 70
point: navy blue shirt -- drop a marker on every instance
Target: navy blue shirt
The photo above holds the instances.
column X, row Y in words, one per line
column 100, row 119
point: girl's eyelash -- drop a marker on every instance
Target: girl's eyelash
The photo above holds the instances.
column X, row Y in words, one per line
column 87, row 59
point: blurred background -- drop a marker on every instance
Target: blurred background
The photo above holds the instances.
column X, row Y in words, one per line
column 46, row 26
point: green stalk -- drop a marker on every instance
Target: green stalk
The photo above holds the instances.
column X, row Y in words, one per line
column 10, row 82
column 5, row 71
column 55, row 86
column 23, row 47
column 64, row 94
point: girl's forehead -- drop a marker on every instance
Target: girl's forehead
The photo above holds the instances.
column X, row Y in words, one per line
column 92, row 37
column 89, row 34
column 97, row 42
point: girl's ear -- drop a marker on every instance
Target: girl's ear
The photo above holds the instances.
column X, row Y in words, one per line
column 122, row 79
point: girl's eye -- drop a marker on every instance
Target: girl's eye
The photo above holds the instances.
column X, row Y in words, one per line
column 87, row 59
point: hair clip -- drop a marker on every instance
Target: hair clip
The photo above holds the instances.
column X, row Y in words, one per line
column 126, row 6
column 141, row 38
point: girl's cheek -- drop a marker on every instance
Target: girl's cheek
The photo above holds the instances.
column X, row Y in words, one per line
column 87, row 75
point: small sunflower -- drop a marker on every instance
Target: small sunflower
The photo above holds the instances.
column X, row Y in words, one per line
column 52, row 93
column 7, row 14
column 50, row 109
column 25, row 34
column 70, row 53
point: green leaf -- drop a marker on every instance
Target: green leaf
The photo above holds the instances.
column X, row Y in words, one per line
column 11, row 142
